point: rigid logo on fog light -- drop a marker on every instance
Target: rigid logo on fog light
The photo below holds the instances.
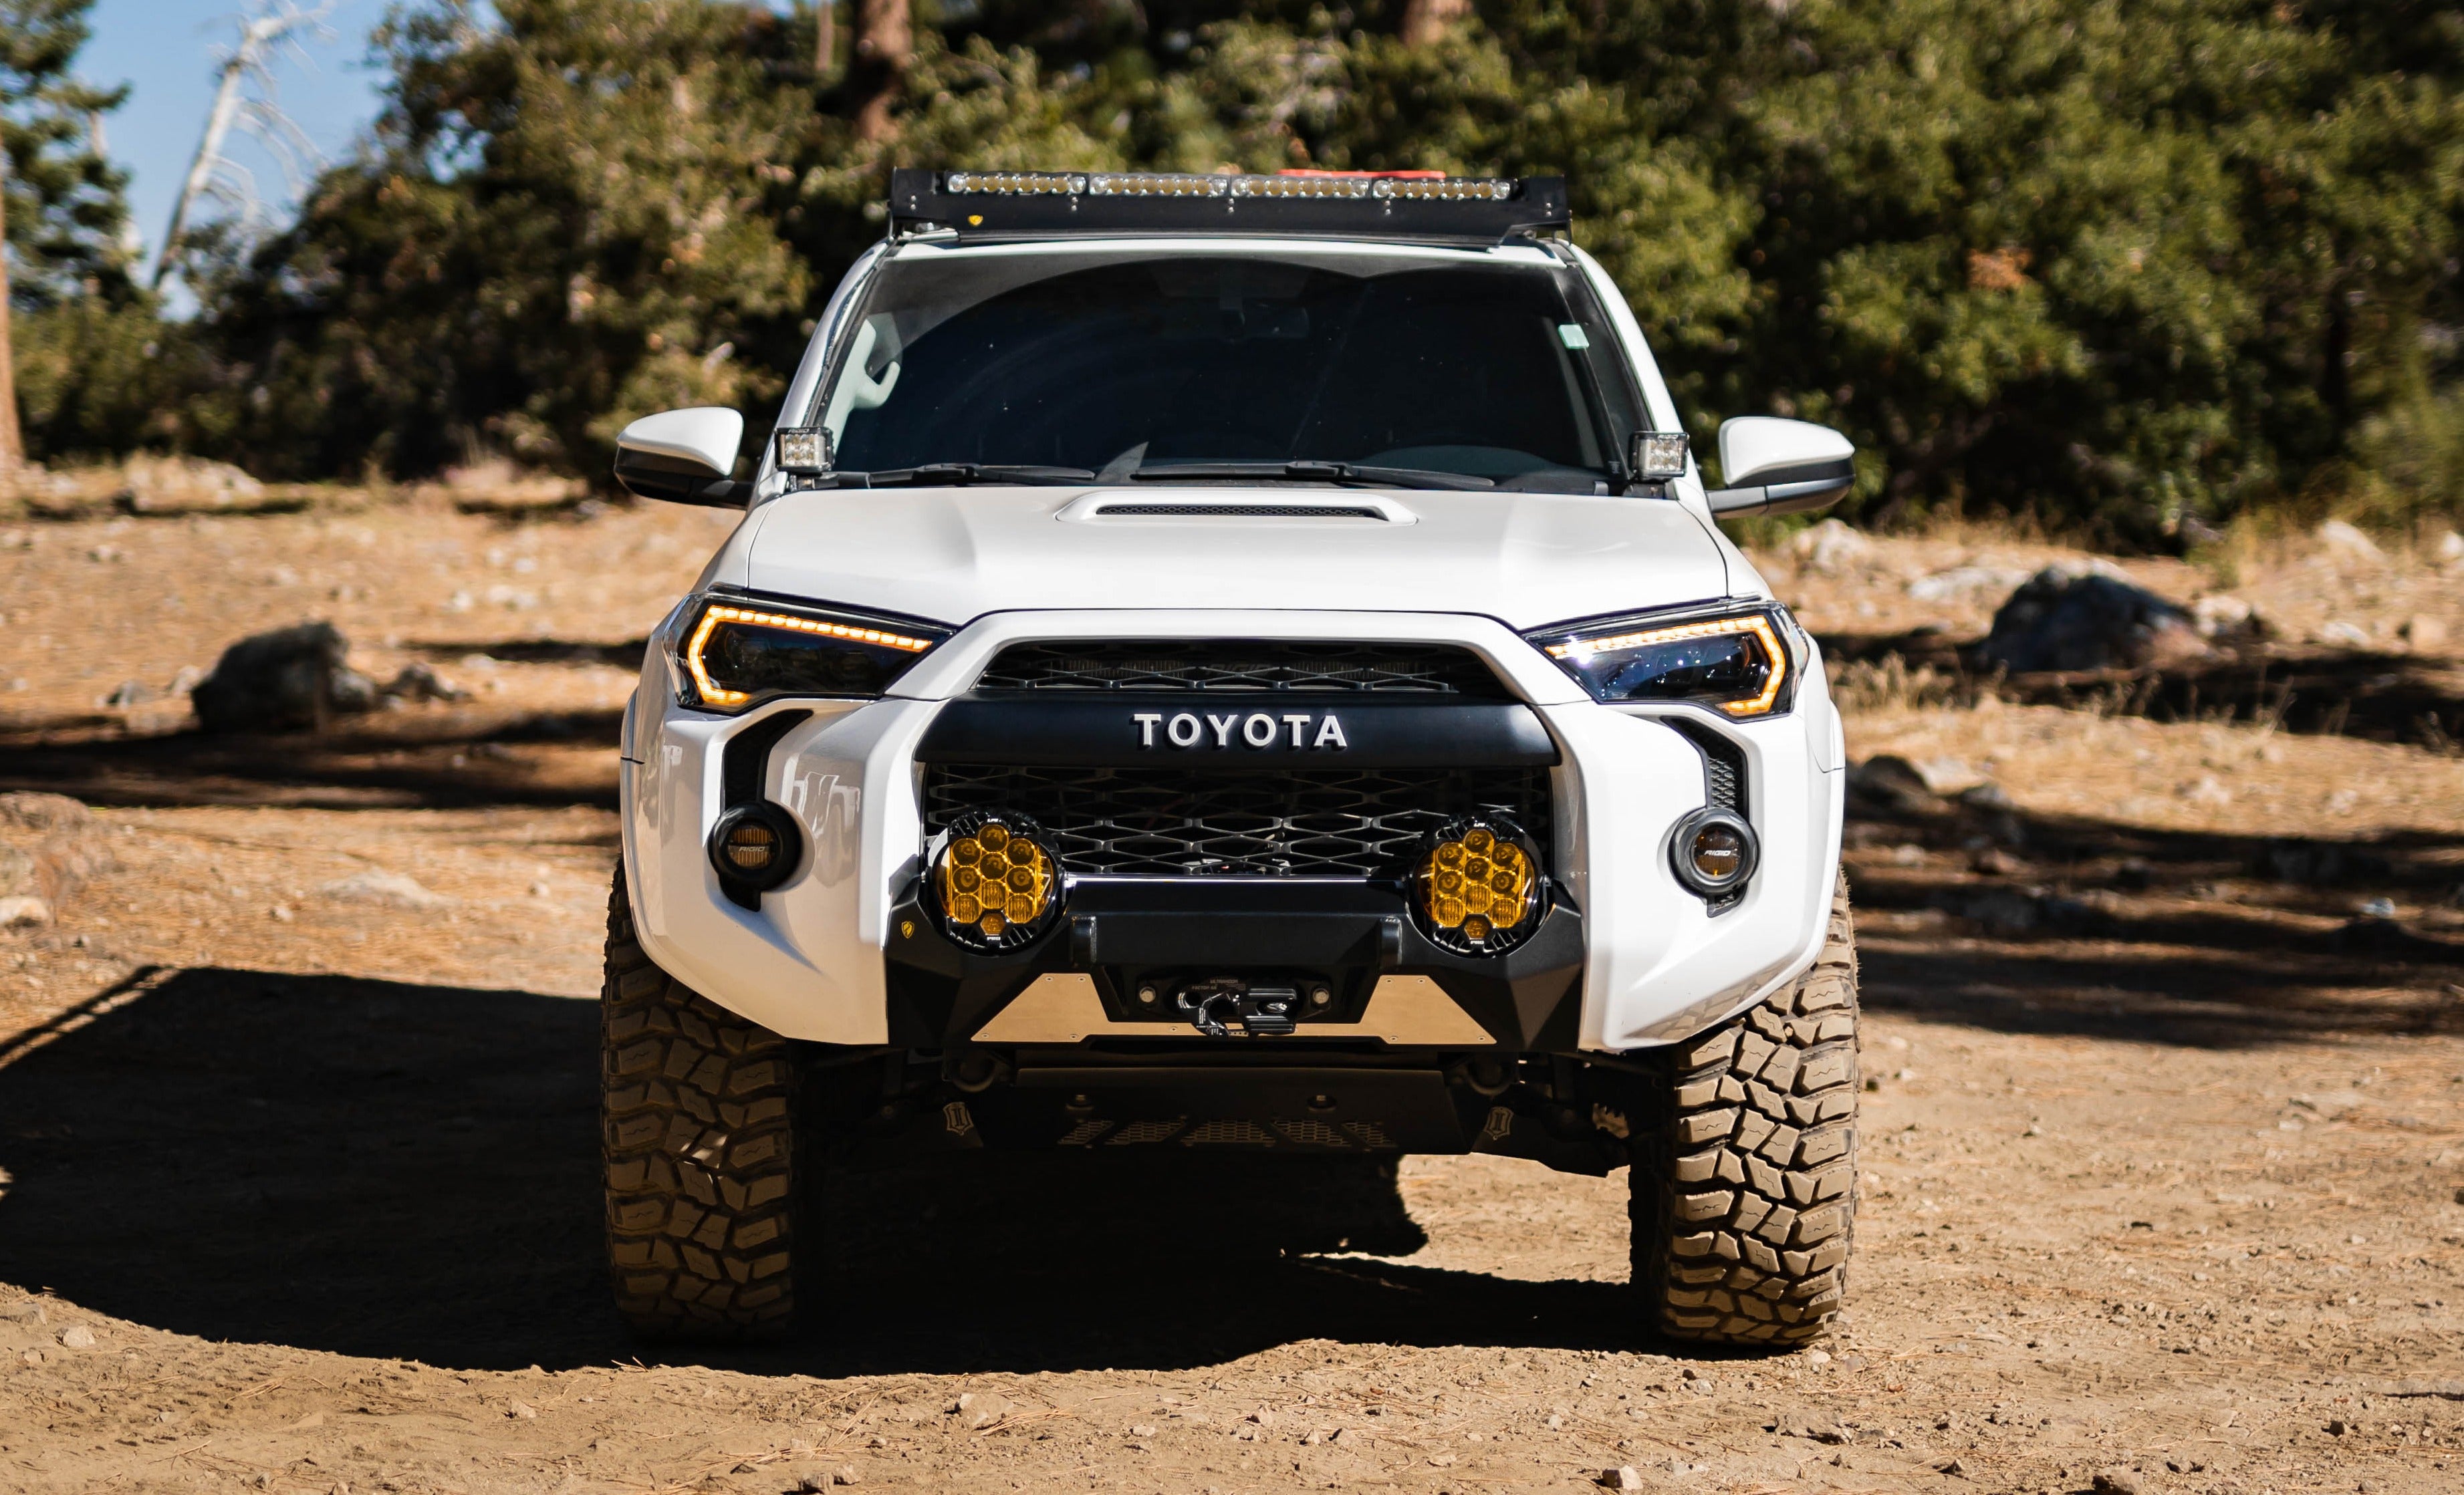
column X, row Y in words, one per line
column 1255, row 730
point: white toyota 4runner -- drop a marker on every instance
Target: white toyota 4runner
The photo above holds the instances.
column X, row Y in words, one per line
column 1232, row 661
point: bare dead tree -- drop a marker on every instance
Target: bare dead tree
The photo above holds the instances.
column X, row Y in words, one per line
column 1428, row 21
column 244, row 97
column 885, row 48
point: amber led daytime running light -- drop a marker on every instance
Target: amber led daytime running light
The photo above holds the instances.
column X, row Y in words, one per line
column 717, row 695
column 1758, row 625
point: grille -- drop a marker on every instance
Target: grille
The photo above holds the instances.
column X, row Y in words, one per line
column 1163, row 822
column 1723, row 775
column 1239, row 510
column 1313, row 1133
column 1239, row 664
column 1228, row 1134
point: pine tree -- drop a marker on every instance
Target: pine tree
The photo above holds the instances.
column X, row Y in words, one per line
column 61, row 202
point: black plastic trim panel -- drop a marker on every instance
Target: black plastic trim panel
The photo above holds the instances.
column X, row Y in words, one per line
column 1124, row 731
column 743, row 773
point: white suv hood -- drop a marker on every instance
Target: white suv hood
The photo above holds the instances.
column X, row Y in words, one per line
column 950, row 554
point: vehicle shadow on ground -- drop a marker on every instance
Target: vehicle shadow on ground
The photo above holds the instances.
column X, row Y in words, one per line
column 2414, row 699
column 431, row 758
column 386, row 1169
column 1979, row 911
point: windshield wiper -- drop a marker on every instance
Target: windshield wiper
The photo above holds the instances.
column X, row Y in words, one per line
column 936, row 475
column 1310, row 472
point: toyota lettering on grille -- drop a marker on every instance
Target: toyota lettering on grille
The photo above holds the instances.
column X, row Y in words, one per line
column 1255, row 730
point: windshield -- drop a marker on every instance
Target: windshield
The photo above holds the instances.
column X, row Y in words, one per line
column 1134, row 364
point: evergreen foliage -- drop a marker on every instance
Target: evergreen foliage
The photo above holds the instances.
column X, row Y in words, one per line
column 66, row 210
column 2130, row 268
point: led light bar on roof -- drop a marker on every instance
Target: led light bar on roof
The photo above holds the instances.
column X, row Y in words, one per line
column 1157, row 183
column 1300, row 186
column 1015, row 183
column 1403, row 205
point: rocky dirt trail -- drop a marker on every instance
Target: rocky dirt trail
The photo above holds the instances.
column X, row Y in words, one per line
column 2160, row 1177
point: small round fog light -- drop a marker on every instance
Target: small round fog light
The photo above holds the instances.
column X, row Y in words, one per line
column 755, row 846
column 1714, row 852
column 749, row 847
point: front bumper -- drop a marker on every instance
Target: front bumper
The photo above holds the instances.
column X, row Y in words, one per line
column 1350, row 951
column 840, row 954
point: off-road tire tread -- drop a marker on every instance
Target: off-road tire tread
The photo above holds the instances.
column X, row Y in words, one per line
column 1744, row 1199
column 698, row 1142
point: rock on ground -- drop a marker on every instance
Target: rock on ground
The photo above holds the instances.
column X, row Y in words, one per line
column 2075, row 618
column 388, row 889
column 287, row 680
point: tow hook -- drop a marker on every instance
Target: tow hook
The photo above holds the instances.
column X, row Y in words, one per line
column 1226, row 1004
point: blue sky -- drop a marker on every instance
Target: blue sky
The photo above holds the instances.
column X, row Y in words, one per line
column 168, row 50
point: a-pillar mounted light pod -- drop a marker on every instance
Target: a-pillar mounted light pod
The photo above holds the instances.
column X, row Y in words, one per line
column 755, row 846
column 804, row 449
column 1658, row 455
column 1713, row 853
column 1477, row 887
column 994, row 882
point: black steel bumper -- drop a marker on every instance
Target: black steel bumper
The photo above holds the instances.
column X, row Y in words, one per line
column 1152, row 933
column 1324, row 1087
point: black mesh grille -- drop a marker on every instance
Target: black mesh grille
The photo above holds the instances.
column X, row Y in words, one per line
column 1723, row 774
column 1240, row 665
column 1324, row 823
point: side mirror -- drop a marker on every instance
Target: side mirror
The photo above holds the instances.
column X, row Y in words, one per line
column 684, row 456
column 1773, row 466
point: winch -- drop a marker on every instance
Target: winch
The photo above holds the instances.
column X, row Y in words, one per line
column 1223, row 1005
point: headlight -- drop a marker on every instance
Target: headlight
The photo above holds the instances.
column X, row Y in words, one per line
column 1477, row 886
column 1741, row 664
column 995, row 881
column 738, row 652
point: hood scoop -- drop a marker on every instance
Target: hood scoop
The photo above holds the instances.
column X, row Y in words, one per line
column 1151, row 507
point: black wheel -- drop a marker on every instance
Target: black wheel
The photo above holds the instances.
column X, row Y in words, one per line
column 697, row 1129
column 1745, row 1193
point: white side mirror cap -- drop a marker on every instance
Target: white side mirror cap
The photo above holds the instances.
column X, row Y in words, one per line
column 1754, row 449
column 1773, row 466
column 684, row 456
column 705, row 435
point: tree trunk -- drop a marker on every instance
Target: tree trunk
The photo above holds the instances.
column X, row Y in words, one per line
column 885, row 45
column 13, row 443
column 2335, row 370
column 825, row 37
column 254, row 38
column 1428, row 21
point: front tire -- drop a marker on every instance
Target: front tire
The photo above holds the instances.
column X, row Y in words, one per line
column 1745, row 1193
column 697, row 1132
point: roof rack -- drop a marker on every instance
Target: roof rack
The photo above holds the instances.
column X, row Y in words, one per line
column 1391, row 205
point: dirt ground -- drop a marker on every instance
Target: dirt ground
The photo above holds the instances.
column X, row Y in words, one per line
column 2162, row 1170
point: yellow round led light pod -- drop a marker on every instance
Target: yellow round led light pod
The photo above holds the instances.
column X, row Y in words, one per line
column 995, row 880
column 1478, row 888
